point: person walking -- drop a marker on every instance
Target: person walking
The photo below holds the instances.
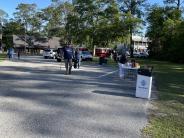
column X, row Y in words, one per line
column 122, row 62
column 18, row 54
column 68, row 56
column 115, row 56
column 77, row 58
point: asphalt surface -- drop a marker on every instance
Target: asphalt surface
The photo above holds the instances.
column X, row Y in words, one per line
column 38, row 101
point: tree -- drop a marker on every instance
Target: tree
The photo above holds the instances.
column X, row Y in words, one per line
column 85, row 16
column 95, row 23
column 36, row 23
column 178, row 3
column 55, row 17
column 3, row 16
column 25, row 14
column 155, row 19
column 11, row 28
column 133, row 12
column 166, row 31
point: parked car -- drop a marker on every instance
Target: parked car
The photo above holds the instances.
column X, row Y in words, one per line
column 49, row 53
column 106, row 52
column 141, row 54
column 86, row 55
column 136, row 54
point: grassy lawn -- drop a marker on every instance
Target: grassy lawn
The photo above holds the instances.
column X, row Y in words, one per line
column 2, row 57
column 167, row 119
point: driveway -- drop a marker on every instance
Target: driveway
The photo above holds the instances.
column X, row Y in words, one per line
column 38, row 101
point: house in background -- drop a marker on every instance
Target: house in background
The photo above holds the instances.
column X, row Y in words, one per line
column 140, row 44
column 34, row 45
column 19, row 43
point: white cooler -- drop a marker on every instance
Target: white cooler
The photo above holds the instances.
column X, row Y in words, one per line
column 143, row 87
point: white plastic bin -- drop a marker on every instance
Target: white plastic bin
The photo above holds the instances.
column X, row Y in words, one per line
column 143, row 87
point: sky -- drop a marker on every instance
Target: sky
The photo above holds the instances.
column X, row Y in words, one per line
column 9, row 5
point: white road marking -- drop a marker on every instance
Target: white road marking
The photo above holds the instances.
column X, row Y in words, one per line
column 109, row 73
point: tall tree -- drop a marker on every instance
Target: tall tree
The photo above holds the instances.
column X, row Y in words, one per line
column 178, row 3
column 84, row 20
column 55, row 17
column 25, row 13
column 133, row 11
column 3, row 16
column 155, row 19
column 12, row 28
column 165, row 31
column 36, row 23
column 96, row 22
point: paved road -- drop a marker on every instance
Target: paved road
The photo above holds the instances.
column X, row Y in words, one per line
column 37, row 100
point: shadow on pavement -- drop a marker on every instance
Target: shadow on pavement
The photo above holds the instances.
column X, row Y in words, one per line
column 115, row 93
column 69, row 102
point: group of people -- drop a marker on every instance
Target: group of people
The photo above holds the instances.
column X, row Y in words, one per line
column 125, row 63
column 70, row 55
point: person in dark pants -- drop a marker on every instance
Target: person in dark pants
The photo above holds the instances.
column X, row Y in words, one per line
column 68, row 55
column 115, row 56
column 123, row 59
column 122, row 62
column 77, row 58
column 18, row 54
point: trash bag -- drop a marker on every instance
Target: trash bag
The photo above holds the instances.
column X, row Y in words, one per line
column 145, row 71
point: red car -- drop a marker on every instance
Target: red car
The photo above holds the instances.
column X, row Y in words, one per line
column 103, row 52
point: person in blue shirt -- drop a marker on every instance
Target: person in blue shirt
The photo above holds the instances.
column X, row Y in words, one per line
column 68, row 56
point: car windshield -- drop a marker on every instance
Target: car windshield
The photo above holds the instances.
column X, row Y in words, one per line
column 86, row 52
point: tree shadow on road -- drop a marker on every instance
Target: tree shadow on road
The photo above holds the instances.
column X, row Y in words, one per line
column 64, row 101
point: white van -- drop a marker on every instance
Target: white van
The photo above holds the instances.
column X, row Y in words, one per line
column 49, row 53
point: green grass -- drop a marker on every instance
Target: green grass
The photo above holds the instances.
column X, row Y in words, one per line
column 167, row 119
column 2, row 57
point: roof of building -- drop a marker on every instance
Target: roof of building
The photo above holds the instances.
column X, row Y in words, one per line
column 42, row 42
column 19, row 40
